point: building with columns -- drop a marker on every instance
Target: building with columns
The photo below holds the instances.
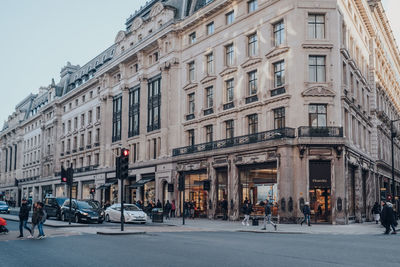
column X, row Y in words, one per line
column 284, row 100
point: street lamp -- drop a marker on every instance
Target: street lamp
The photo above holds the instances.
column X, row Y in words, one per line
column 393, row 135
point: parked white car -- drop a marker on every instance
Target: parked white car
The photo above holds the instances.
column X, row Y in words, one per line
column 131, row 213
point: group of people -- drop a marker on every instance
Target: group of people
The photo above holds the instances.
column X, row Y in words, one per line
column 189, row 208
column 386, row 214
column 168, row 208
column 247, row 209
column 38, row 218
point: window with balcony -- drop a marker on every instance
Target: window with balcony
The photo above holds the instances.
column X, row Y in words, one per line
column 279, row 78
column 252, row 6
column 75, row 123
column 229, row 17
column 154, row 104
column 98, row 113
column 252, row 121
column 229, row 129
column 191, row 106
column 82, row 120
column 317, row 115
column 134, row 112
column 210, row 28
column 252, row 87
column 209, row 133
column 89, row 138
column 190, row 134
column 90, row 116
column 229, row 87
column 209, row 97
column 316, row 26
column 279, row 33
column 279, row 118
column 117, row 114
column 229, row 55
column 317, row 69
column 210, row 63
column 82, row 141
column 252, row 45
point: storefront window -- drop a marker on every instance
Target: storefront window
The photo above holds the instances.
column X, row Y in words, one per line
column 149, row 192
column 60, row 192
column 195, row 192
column 86, row 190
column 222, row 189
column 258, row 183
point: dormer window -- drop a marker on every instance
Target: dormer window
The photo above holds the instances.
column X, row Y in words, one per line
column 192, row 38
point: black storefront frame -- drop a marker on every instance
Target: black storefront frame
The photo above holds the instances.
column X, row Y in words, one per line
column 320, row 188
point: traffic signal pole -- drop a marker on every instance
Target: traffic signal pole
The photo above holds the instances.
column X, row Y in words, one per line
column 69, row 182
column 122, row 173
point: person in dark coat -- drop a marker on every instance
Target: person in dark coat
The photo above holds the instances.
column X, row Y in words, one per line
column 192, row 207
column 173, row 208
column 224, row 207
column 306, row 213
column 159, row 205
column 23, row 218
column 376, row 212
column 247, row 210
column 167, row 209
column 388, row 219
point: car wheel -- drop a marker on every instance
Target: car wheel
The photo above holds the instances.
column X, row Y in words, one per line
column 107, row 218
column 63, row 217
column 76, row 219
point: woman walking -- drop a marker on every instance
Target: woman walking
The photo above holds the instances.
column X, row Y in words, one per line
column 247, row 209
column 306, row 212
column 376, row 212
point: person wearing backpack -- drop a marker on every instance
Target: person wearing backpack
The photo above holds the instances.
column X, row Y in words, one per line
column 307, row 213
column 23, row 219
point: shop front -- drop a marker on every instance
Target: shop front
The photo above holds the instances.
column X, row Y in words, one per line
column 222, row 192
column 60, row 190
column 196, row 193
column 86, row 189
column 320, row 191
column 257, row 183
column 145, row 189
column 108, row 191
column 47, row 190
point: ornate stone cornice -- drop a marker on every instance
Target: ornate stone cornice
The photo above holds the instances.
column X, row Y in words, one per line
column 318, row 90
column 190, row 86
column 250, row 62
column 208, row 78
column 228, row 70
column 317, row 46
column 276, row 51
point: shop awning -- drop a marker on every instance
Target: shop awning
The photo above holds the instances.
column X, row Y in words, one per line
column 106, row 185
column 142, row 181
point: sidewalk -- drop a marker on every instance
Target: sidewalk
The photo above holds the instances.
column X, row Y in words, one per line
column 50, row 223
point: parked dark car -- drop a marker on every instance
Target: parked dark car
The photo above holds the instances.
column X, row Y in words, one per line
column 81, row 212
column 96, row 206
column 4, row 208
column 52, row 206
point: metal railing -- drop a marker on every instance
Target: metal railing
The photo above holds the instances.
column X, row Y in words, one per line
column 308, row 131
column 236, row 141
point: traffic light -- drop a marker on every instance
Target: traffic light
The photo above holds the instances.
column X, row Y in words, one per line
column 70, row 176
column 64, row 175
column 124, row 163
column 92, row 191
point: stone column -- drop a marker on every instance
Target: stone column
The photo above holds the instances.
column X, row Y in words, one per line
column 212, row 176
column 79, row 190
column 143, row 118
column 358, row 192
column 233, row 190
column 106, row 130
column 40, row 192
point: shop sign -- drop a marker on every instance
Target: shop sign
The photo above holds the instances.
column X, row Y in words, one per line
column 320, row 174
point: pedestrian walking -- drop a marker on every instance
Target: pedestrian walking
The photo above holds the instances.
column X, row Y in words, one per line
column 306, row 213
column 224, row 207
column 376, row 212
column 173, row 208
column 388, row 218
column 23, row 219
column 247, row 209
column 42, row 219
column 159, row 205
column 268, row 216
column 167, row 209
column 37, row 219
column 192, row 207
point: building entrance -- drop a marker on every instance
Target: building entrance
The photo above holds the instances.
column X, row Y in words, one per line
column 195, row 193
column 320, row 191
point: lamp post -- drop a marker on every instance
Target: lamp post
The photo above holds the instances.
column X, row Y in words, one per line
column 393, row 135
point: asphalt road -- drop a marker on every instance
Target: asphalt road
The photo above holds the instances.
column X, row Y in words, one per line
column 203, row 249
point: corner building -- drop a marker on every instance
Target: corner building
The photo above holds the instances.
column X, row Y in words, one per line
column 284, row 100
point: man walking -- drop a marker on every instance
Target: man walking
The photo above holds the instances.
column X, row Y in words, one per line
column 247, row 209
column 224, row 206
column 23, row 218
column 267, row 216
column 388, row 218
column 307, row 213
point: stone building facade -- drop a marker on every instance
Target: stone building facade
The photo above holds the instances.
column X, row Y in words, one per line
column 284, row 100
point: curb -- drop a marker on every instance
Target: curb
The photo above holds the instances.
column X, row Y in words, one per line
column 51, row 225
column 121, row 233
column 270, row 232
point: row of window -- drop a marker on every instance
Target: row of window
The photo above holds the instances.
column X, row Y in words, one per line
column 317, row 114
column 90, row 161
column 83, row 100
column 66, row 146
column 83, row 122
column 153, row 110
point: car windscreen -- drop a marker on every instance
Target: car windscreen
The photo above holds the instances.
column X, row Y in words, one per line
column 60, row 201
column 84, row 205
column 94, row 204
column 3, row 203
column 131, row 208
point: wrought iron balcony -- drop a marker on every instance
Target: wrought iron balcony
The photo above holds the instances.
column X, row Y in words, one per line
column 88, row 146
column 251, row 99
column 308, row 131
column 229, row 105
column 208, row 111
column 236, row 141
column 96, row 144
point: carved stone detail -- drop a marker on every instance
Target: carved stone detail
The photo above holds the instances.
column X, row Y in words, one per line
column 250, row 62
column 228, row 70
column 276, row 52
column 318, row 90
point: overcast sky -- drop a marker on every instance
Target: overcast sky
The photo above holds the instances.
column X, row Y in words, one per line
column 38, row 37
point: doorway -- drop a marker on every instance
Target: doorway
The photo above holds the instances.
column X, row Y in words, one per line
column 320, row 191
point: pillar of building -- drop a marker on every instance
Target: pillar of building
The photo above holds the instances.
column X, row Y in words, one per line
column 40, row 193
column 358, row 196
column 79, row 190
column 212, row 197
column 234, row 204
column 143, row 155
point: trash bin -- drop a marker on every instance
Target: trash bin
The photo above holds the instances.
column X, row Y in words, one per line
column 254, row 221
column 157, row 215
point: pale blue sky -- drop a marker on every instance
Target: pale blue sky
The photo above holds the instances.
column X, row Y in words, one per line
column 38, row 37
